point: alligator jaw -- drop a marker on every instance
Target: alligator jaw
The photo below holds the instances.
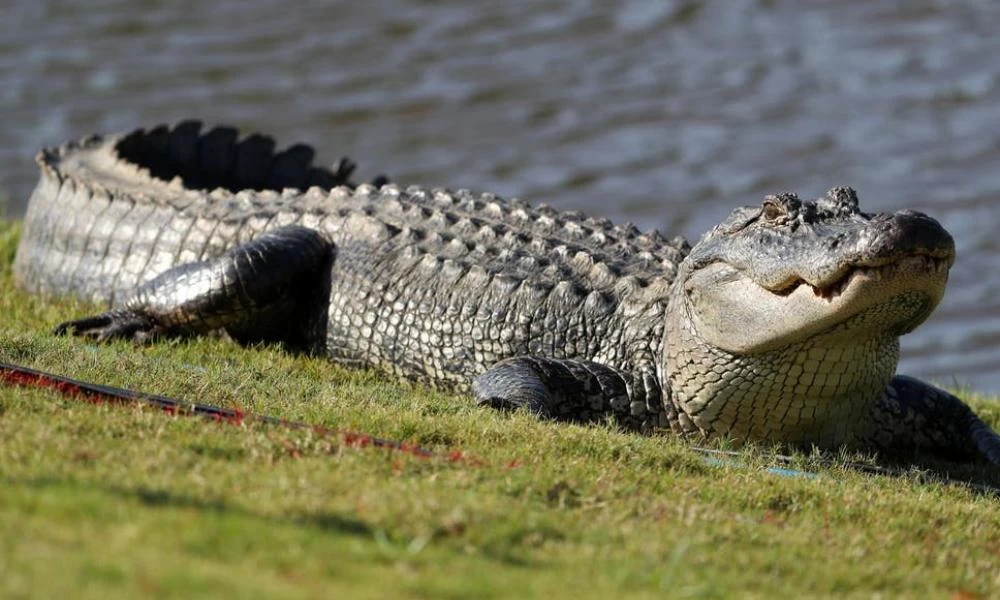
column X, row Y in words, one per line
column 830, row 290
column 734, row 313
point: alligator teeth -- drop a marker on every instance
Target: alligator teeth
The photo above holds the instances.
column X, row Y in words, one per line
column 927, row 264
column 935, row 265
column 834, row 290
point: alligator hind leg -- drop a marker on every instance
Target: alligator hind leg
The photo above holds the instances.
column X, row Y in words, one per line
column 915, row 418
column 274, row 288
column 573, row 390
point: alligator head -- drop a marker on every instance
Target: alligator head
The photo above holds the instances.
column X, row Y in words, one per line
column 802, row 299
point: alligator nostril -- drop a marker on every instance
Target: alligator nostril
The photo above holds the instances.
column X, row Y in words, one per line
column 910, row 231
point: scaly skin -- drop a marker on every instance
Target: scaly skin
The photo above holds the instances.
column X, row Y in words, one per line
column 781, row 325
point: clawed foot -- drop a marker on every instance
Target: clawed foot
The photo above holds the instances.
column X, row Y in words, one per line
column 112, row 325
column 343, row 169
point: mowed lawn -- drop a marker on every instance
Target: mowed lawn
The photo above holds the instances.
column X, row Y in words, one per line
column 103, row 501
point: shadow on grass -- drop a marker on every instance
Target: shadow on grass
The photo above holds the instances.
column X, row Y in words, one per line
column 980, row 479
column 160, row 498
column 504, row 550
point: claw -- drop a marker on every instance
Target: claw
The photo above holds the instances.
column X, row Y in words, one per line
column 111, row 325
column 82, row 326
column 343, row 168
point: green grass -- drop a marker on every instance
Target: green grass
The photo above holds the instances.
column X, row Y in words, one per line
column 102, row 501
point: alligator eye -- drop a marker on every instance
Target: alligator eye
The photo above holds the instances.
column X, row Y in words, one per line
column 771, row 211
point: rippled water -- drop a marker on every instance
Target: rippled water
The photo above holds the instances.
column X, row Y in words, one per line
column 663, row 113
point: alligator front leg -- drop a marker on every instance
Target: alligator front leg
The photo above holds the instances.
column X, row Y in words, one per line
column 916, row 418
column 573, row 390
column 274, row 288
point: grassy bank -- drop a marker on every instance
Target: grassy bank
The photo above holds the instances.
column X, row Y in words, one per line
column 99, row 501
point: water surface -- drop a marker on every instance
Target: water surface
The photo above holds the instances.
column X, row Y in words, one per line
column 662, row 113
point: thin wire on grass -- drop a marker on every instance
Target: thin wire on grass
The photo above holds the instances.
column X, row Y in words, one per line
column 93, row 392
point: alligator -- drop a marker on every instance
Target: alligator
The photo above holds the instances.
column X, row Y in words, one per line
column 779, row 326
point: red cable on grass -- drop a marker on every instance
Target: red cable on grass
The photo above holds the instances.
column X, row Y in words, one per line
column 95, row 393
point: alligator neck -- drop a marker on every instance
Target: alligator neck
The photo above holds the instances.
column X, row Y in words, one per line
column 818, row 391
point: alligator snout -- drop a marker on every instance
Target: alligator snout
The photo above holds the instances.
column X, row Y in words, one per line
column 906, row 233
